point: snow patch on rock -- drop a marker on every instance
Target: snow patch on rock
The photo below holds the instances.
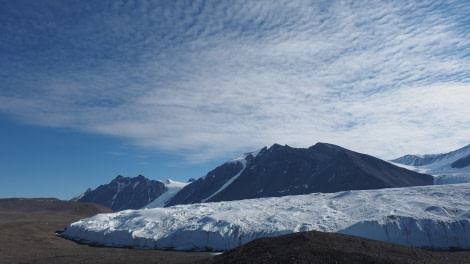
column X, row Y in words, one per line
column 172, row 188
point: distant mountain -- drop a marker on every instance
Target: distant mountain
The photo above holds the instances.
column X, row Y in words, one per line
column 452, row 167
column 283, row 170
column 129, row 193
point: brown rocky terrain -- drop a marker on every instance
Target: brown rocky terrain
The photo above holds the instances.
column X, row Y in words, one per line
column 27, row 235
column 321, row 247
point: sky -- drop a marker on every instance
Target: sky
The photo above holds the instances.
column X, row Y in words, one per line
column 172, row 89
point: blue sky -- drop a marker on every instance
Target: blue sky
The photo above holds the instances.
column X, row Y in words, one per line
column 172, row 89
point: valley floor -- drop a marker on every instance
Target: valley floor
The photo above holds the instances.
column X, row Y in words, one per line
column 27, row 235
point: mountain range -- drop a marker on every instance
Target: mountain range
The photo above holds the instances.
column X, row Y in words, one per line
column 452, row 167
column 268, row 172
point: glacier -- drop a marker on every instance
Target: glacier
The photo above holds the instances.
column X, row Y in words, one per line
column 433, row 217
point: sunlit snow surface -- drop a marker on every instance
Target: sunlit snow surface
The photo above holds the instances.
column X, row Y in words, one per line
column 435, row 217
column 173, row 188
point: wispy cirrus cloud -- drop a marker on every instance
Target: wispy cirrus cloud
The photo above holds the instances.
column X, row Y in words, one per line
column 209, row 79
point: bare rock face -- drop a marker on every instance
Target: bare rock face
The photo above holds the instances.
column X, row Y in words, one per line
column 125, row 193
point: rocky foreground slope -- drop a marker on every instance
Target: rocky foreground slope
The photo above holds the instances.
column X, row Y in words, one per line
column 322, row 247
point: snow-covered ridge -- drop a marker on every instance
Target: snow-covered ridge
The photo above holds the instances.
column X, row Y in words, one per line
column 434, row 161
column 172, row 188
column 436, row 217
column 242, row 158
column 230, row 181
column 447, row 168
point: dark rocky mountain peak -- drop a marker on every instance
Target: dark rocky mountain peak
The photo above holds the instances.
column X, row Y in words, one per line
column 125, row 193
column 284, row 170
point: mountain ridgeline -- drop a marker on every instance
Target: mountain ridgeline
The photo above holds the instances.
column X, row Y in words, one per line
column 283, row 170
column 124, row 193
column 269, row 172
column 447, row 168
column 457, row 159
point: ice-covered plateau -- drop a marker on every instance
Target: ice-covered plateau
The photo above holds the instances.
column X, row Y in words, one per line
column 435, row 217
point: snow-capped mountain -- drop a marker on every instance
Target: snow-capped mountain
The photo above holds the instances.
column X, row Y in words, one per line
column 434, row 217
column 131, row 193
column 283, row 170
column 452, row 167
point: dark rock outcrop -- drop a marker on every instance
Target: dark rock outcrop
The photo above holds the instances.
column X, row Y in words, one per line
column 124, row 193
column 461, row 163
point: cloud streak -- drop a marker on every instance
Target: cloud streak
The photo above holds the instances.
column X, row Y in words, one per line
column 209, row 79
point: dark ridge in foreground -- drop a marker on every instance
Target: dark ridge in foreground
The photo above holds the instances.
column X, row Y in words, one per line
column 321, row 247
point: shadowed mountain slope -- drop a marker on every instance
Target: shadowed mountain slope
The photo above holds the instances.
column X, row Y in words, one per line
column 283, row 170
column 124, row 193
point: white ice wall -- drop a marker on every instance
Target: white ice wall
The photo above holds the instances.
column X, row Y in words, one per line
column 435, row 217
